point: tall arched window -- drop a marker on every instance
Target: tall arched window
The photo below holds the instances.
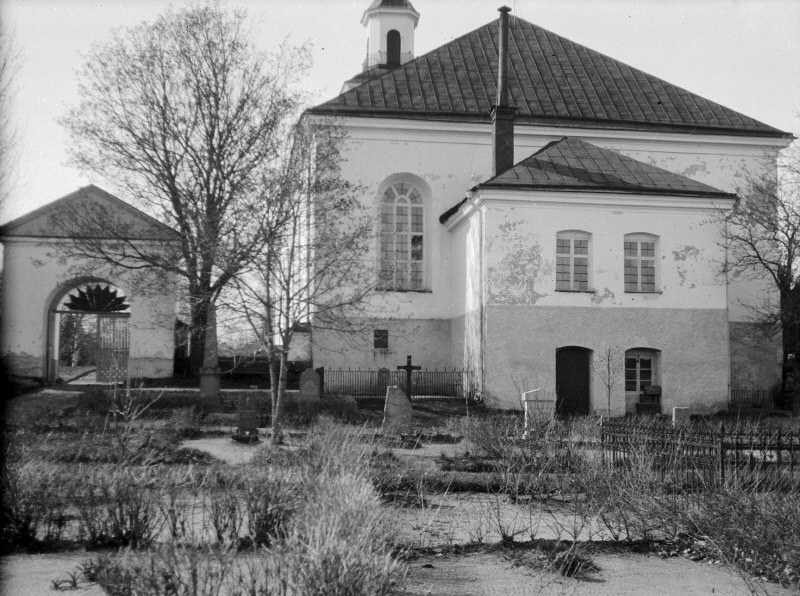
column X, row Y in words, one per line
column 393, row 48
column 402, row 238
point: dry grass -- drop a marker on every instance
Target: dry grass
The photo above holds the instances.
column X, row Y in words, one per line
column 310, row 518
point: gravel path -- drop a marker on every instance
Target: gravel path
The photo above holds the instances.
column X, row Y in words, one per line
column 32, row 575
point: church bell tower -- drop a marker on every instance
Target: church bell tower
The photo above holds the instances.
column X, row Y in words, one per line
column 390, row 33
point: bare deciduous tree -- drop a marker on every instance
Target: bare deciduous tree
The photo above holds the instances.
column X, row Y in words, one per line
column 9, row 135
column 609, row 365
column 192, row 123
column 315, row 268
column 763, row 240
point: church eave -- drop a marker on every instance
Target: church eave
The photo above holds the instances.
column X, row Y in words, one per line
column 615, row 189
column 473, row 117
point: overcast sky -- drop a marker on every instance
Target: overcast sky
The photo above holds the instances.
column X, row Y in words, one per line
column 744, row 54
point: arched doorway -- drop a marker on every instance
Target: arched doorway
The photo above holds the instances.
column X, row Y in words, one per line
column 89, row 338
column 573, row 381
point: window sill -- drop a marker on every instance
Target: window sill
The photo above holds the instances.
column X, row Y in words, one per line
column 404, row 290
column 577, row 291
column 644, row 292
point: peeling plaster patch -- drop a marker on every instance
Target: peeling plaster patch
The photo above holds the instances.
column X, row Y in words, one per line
column 685, row 252
column 606, row 295
column 512, row 279
column 681, row 256
column 509, row 226
column 694, row 169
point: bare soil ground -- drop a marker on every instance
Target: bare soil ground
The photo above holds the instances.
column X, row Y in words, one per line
column 455, row 538
column 621, row 573
column 446, row 523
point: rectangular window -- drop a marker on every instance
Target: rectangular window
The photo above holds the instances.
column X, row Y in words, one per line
column 380, row 339
column 640, row 266
column 572, row 263
column 638, row 372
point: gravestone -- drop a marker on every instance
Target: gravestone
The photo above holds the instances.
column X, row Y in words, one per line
column 397, row 412
column 384, row 380
column 680, row 415
column 247, row 418
column 539, row 406
column 310, row 385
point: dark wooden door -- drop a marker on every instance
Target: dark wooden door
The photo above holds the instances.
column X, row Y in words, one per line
column 572, row 381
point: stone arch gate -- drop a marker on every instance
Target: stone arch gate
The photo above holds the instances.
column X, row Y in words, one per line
column 40, row 267
column 109, row 346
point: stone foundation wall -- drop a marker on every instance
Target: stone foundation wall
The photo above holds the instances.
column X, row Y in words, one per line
column 426, row 340
column 756, row 356
column 692, row 368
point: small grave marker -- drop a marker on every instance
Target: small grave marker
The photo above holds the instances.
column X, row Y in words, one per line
column 384, row 379
column 409, row 368
column 310, row 384
column 538, row 406
column 247, row 419
column 397, row 412
column 680, row 415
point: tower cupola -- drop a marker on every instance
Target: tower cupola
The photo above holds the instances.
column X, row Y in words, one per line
column 390, row 33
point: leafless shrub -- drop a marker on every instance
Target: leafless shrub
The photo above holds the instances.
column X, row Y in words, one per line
column 271, row 504
column 756, row 530
column 334, row 542
column 171, row 569
column 34, row 511
column 116, row 505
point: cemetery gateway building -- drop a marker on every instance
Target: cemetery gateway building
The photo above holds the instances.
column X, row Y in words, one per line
column 537, row 203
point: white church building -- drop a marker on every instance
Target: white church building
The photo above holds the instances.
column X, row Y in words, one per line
column 538, row 203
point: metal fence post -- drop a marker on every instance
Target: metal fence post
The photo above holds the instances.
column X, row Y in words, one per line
column 722, row 452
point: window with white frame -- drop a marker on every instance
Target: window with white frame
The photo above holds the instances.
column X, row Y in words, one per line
column 640, row 263
column 572, row 261
column 402, row 238
column 640, row 369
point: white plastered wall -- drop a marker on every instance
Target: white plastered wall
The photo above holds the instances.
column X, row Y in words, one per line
column 453, row 157
column 34, row 278
column 527, row 320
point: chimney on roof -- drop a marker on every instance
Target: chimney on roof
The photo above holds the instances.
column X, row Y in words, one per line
column 502, row 113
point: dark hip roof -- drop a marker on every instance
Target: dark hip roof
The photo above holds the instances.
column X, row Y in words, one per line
column 573, row 164
column 552, row 80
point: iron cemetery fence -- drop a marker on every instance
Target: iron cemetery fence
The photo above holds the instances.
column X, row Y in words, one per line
column 752, row 398
column 425, row 384
column 693, row 457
